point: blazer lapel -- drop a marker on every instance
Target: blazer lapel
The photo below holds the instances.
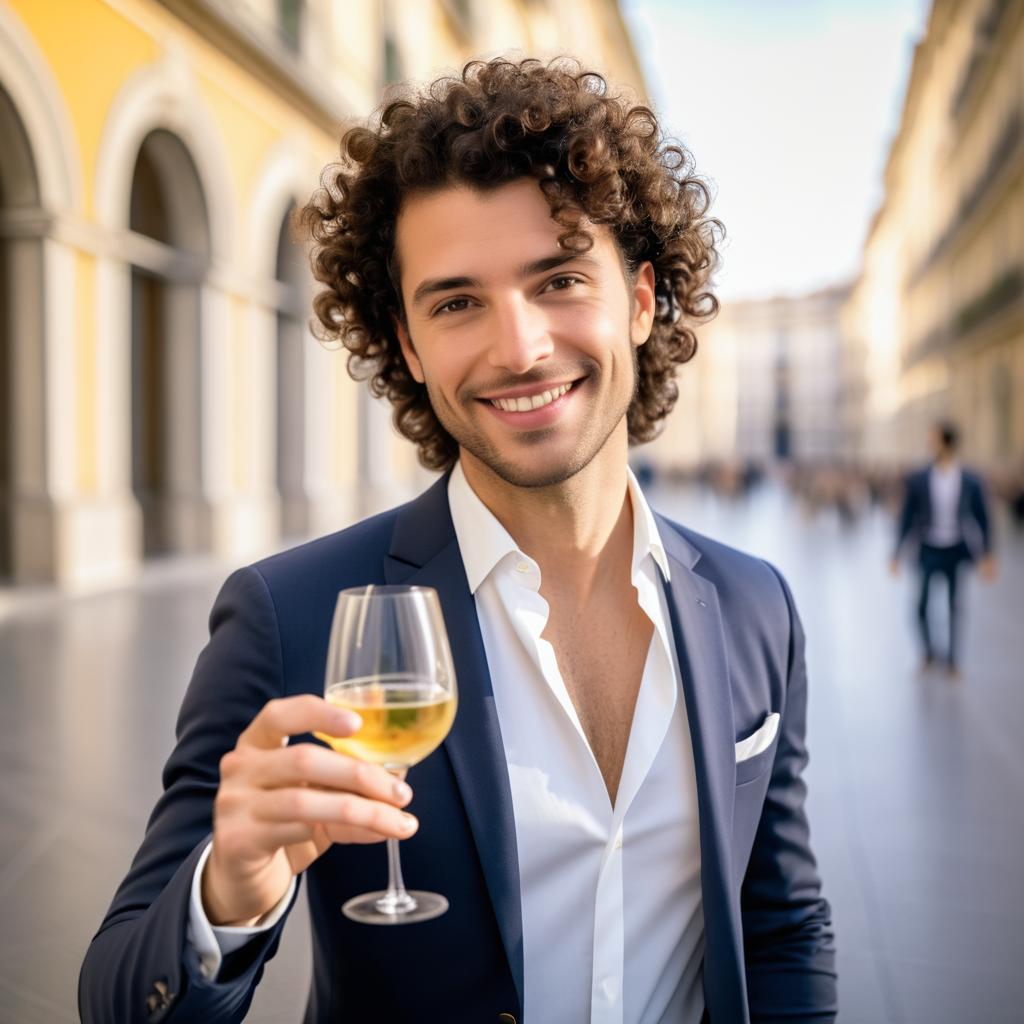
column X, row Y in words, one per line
column 700, row 645
column 425, row 552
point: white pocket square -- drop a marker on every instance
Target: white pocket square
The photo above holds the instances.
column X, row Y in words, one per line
column 759, row 741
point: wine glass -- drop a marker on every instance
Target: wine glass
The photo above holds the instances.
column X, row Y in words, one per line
column 389, row 661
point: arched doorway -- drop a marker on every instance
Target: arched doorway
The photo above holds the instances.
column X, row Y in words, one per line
column 292, row 275
column 19, row 195
column 169, row 263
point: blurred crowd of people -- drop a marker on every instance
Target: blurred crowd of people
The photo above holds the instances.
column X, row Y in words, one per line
column 851, row 490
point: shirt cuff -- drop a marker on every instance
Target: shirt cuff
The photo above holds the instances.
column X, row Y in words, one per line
column 213, row 942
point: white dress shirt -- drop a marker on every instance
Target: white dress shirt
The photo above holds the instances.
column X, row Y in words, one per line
column 944, row 491
column 613, row 926
column 613, row 929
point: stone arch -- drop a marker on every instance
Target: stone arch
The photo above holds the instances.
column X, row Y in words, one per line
column 167, row 206
column 158, row 116
column 164, row 96
column 39, row 183
column 32, row 90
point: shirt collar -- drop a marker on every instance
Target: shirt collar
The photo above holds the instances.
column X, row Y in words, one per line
column 484, row 542
column 646, row 539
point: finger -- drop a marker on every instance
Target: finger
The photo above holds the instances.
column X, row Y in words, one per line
column 352, row 834
column 292, row 716
column 307, row 763
column 304, row 804
column 291, row 833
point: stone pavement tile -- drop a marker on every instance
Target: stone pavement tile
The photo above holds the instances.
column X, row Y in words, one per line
column 27, row 1002
column 960, row 993
column 38, row 978
column 283, row 997
column 944, row 935
column 62, row 893
column 862, row 995
column 960, row 871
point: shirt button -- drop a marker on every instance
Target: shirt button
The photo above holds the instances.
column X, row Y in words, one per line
column 618, row 842
column 522, row 566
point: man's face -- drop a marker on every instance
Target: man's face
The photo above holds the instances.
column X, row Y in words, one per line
column 527, row 352
column 938, row 445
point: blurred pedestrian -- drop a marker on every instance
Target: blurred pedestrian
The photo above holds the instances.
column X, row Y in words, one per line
column 945, row 512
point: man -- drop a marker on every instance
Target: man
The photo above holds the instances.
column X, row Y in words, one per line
column 945, row 513
column 617, row 817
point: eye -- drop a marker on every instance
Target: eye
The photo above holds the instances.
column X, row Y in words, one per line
column 451, row 306
column 563, row 283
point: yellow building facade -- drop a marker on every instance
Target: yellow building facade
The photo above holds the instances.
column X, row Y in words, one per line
column 936, row 321
column 161, row 394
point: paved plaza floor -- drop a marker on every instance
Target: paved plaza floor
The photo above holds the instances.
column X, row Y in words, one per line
column 916, row 781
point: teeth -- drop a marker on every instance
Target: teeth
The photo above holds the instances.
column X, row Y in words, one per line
column 525, row 404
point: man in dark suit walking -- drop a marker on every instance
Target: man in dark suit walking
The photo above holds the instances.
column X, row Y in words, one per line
column 945, row 514
column 517, row 260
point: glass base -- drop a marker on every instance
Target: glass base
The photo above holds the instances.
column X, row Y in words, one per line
column 377, row 908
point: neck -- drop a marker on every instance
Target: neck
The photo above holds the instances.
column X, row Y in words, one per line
column 573, row 528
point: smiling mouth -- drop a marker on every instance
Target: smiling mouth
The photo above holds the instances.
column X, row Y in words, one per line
column 527, row 403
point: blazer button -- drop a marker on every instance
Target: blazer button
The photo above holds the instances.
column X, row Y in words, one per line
column 159, row 1001
column 506, row 1018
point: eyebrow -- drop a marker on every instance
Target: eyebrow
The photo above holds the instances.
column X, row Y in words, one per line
column 433, row 285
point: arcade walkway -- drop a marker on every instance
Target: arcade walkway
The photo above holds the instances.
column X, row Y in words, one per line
column 917, row 783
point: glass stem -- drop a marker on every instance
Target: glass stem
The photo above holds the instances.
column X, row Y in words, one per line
column 396, row 900
column 396, row 887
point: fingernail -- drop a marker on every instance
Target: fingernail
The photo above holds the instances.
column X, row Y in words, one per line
column 402, row 792
column 349, row 720
column 409, row 822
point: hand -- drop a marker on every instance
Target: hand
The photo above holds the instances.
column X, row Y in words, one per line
column 894, row 568
column 987, row 568
column 279, row 807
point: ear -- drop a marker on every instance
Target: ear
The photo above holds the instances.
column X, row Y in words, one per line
column 411, row 359
column 643, row 305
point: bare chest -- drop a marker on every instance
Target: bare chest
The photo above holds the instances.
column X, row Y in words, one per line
column 601, row 659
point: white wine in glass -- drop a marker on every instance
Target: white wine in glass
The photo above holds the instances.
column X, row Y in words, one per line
column 405, row 718
column 389, row 661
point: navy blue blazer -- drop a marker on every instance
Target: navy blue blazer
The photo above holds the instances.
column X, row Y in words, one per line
column 768, row 941
column 972, row 512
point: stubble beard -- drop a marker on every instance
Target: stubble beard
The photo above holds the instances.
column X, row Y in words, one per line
column 514, row 472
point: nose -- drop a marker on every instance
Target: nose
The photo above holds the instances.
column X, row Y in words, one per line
column 521, row 336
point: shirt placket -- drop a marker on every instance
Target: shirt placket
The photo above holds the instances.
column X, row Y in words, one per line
column 529, row 619
column 653, row 712
column 609, row 935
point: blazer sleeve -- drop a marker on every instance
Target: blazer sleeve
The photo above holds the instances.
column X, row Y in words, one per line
column 787, row 928
column 908, row 512
column 138, row 966
column 979, row 509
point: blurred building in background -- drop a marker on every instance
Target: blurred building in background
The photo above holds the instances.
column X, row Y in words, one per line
column 850, row 378
column 160, row 393
column 935, row 324
column 765, row 385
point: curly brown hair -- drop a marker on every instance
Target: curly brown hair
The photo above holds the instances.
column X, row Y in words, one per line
column 593, row 156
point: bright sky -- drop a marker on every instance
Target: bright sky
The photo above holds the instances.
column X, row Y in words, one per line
column 788, row 107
